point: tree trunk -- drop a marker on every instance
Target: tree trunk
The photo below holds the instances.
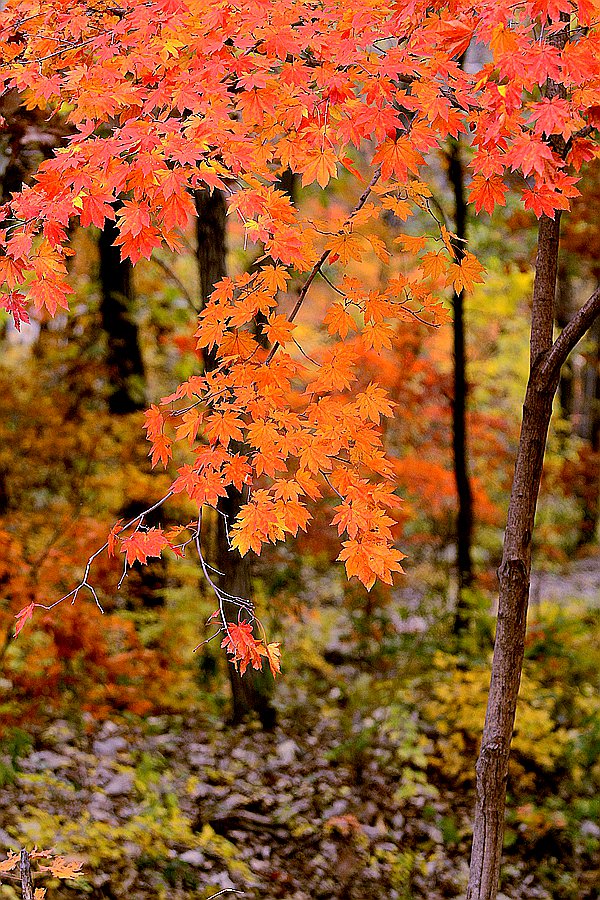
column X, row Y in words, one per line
column 127, row 387
column 579, row 394
column 288, row 182
column 588, row 428
column 464, row 519
column 514, row 574
column 124, row 357
column 563, row 313
column 252, row 692
column 26, row 879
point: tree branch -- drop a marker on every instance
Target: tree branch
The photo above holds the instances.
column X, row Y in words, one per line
column 322, row 259
column 567, row 340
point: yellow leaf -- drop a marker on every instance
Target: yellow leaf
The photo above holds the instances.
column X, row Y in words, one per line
column 344, row 247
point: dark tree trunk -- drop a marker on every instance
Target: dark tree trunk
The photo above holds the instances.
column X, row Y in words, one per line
column 464, row 518
column 563, row 314
column 287, row 182
column 252, row 692
column 588, row 428
column 546, row 360
column 124, row 358
column 127, row 386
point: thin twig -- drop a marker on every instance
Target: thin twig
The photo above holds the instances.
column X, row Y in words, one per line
column 84, row 583
column 176, row 280
column 322, row 259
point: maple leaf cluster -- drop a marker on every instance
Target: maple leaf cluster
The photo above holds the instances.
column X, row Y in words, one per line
column 246, row 650
column 58, row 867
column 169, row 97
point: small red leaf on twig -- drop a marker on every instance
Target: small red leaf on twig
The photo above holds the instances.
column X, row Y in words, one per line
column 112, row 537
column 22, row 616
column 143, row 544
column 244, row 648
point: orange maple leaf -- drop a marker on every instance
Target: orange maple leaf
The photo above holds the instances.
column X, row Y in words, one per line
column 11, row 861
column 466, row 273
column 339, row 320
column 63, row 868
column 321, row 165
column 487, row 193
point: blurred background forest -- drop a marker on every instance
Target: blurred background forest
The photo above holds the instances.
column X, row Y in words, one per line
column 353, row 775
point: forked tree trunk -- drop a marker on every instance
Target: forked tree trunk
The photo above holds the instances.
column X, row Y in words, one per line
column 546, row 360
column 252, row 692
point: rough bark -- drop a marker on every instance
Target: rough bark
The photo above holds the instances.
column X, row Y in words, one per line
column 124, row 358
column 546, row 360
column 464, row 518
column 26, row 879
column 514, row 574
column 252, row 693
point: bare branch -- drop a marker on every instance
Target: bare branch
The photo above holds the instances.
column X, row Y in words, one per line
column 176, row 280
column 551, row 363
column 84, row 583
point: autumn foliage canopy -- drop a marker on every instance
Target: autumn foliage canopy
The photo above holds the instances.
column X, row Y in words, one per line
column 165, row 98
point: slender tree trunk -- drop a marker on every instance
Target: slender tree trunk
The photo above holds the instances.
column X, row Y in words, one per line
column 514, row 575
column 563, row 312
column 464, row 519
column 579, row 394
column 589, row 429
column 124, row 357
column 26, row 879
column 252, row 692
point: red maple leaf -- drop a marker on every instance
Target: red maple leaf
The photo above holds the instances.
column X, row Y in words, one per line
column 143, row 544
column 243, row 647
column 23, row 616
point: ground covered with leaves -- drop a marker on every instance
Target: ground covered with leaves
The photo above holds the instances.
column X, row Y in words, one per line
column 364, row 789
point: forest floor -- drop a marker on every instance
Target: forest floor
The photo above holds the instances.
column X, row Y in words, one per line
column 354, row 795
column 581, row 579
